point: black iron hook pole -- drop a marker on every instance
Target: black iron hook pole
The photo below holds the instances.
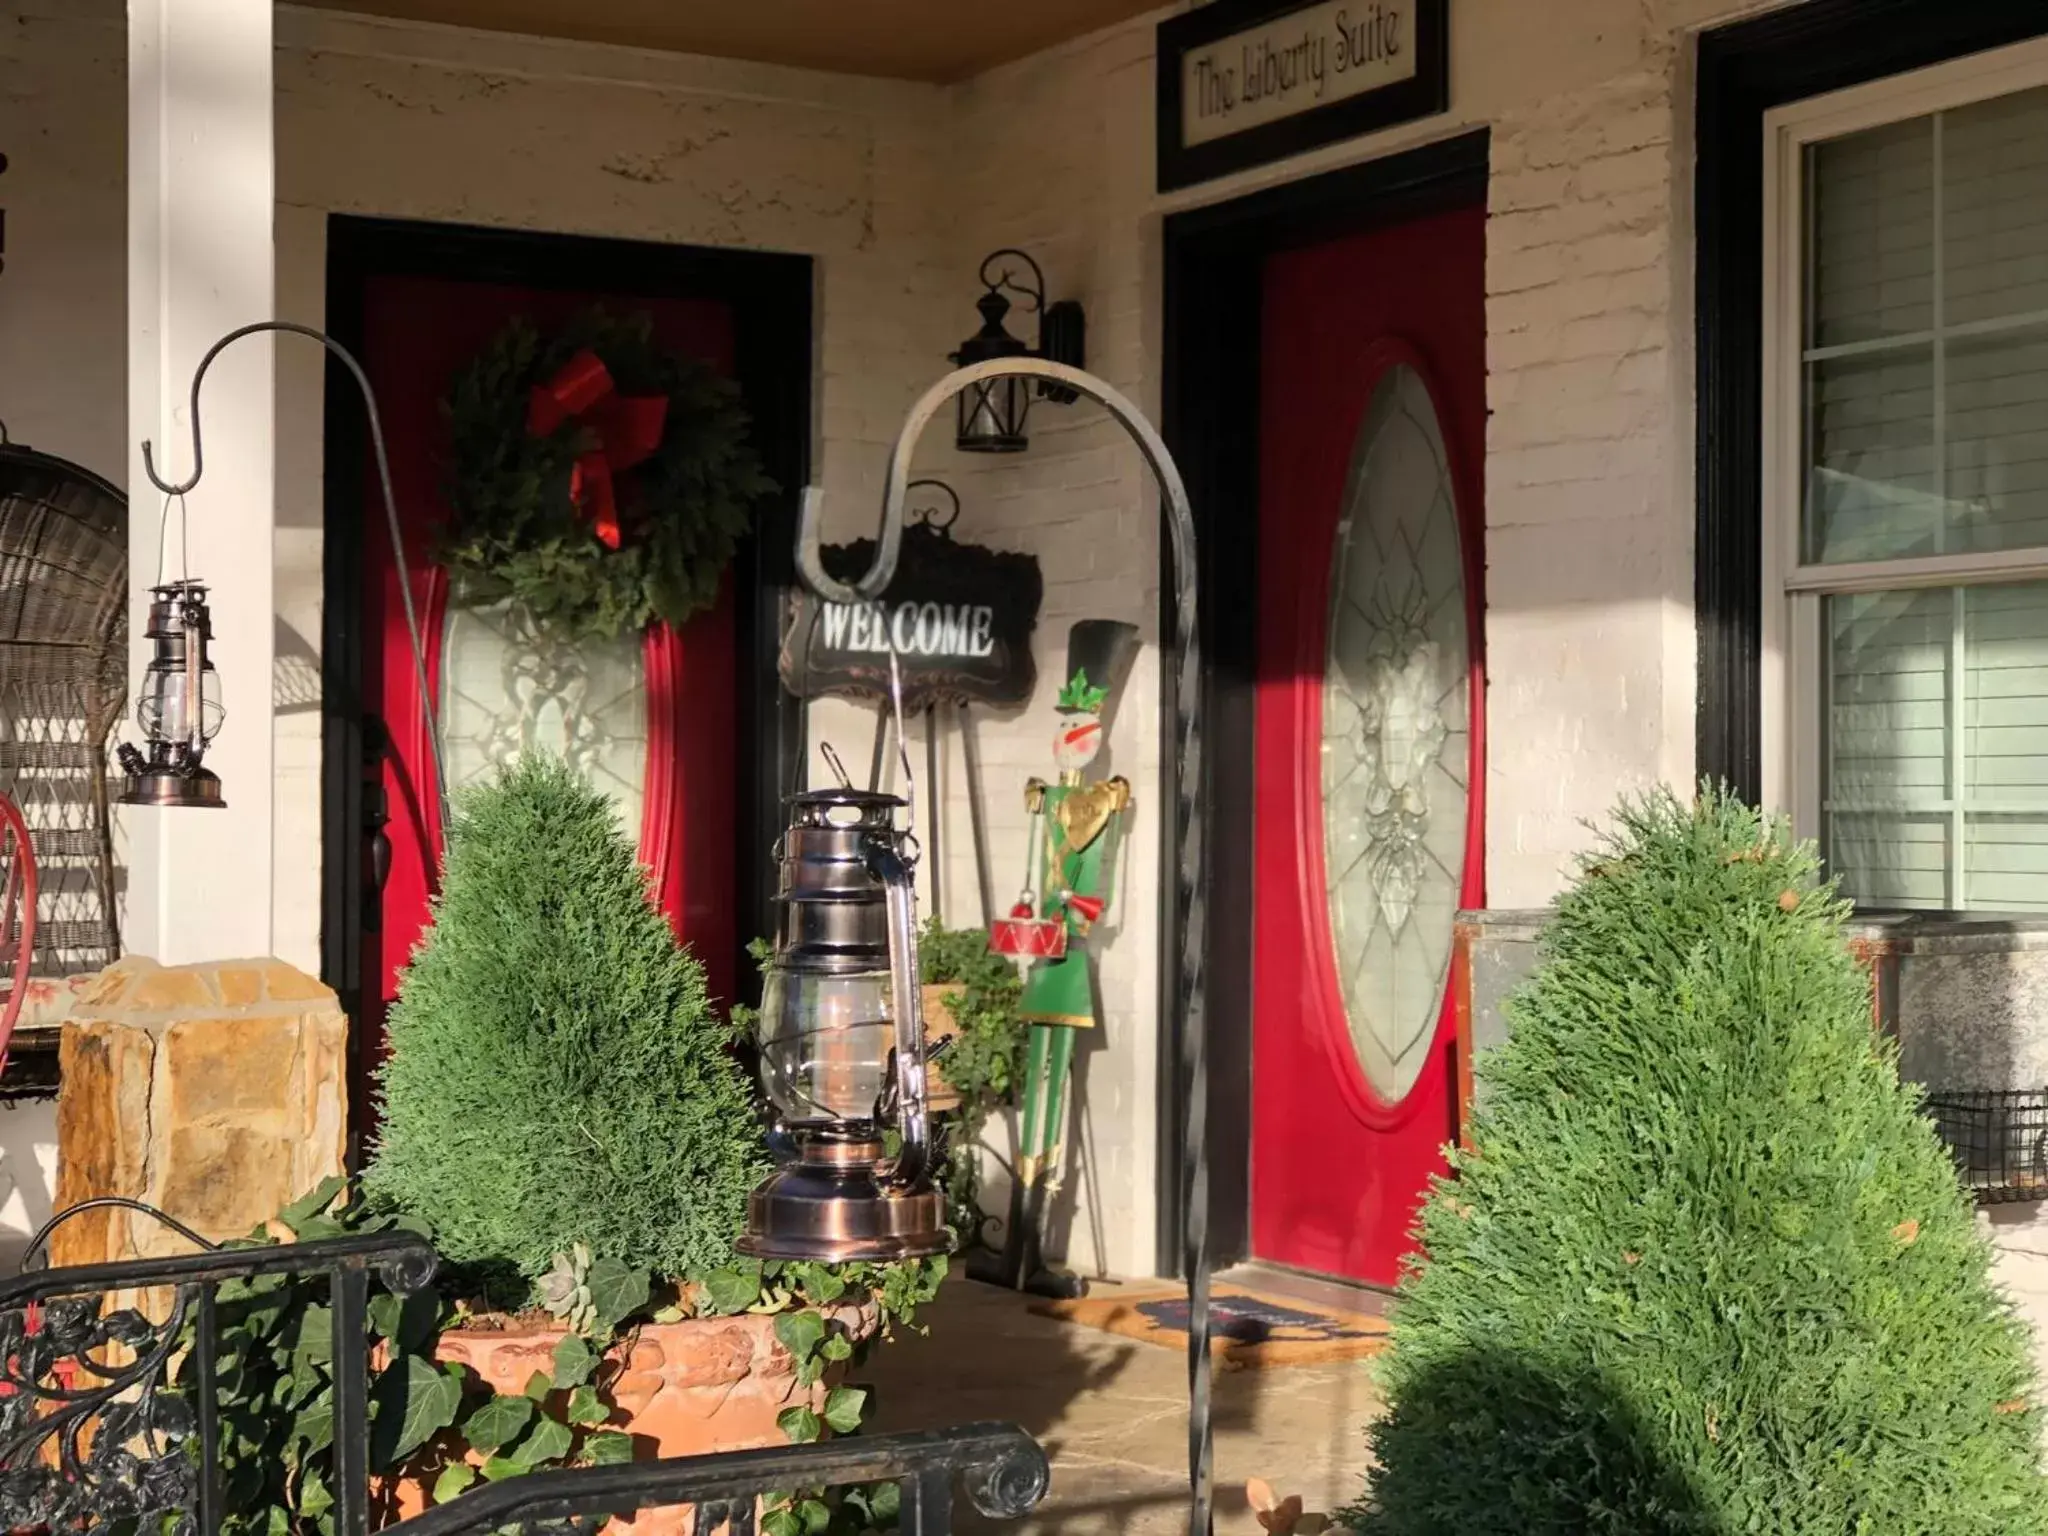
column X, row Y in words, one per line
column 1188, row 830
column 412, row 620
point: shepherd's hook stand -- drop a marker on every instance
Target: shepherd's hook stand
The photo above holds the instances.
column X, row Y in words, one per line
column 1187, row 821
column 412, row 620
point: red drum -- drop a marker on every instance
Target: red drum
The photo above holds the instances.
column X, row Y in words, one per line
column 1030, row 938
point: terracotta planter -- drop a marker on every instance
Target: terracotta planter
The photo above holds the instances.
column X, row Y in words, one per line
column 939, row 1024
column 679, row 1389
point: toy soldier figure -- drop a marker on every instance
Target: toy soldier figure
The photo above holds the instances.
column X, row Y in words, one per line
column 1074, row 831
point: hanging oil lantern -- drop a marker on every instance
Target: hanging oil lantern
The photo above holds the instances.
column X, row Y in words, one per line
column 178, row 707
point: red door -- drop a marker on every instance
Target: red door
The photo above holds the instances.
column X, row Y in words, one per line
column 1369, row 731
column 649, row 719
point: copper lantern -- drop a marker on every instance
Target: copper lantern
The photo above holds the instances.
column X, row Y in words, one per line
column 178, row 707
column 842, row 1044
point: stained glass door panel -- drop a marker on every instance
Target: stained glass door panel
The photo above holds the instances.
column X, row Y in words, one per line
column 508, row 686
column 1397, row 735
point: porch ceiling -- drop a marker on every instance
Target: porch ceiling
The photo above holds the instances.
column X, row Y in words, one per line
column 935, row 40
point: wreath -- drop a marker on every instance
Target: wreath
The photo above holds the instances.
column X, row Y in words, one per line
column 597, row 481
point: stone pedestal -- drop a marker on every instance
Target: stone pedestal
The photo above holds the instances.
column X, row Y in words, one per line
column 215, row 1092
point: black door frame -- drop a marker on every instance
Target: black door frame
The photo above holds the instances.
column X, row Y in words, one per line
column 1215, row 260
column 770, row 296
column 1745, row 70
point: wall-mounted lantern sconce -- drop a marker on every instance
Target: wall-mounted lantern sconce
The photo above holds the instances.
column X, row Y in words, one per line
column 993, row 412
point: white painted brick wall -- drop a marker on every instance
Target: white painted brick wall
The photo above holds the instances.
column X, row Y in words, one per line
column 384, row 119
column 1588, row 481
column 898, row 190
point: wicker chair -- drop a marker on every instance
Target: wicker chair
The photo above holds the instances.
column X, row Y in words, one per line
column 63, row 665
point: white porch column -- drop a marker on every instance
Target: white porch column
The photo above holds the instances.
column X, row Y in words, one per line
column 201, row 193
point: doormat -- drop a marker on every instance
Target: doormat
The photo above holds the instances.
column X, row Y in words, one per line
column 1246, row 1331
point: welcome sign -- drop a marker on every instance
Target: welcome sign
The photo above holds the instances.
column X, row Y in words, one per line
column 957, row 616
column 1243, row 82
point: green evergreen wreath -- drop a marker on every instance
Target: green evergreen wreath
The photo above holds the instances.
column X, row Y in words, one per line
column 518, row 530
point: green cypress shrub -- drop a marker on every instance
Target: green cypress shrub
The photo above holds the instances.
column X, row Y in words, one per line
column 557, row 1072
column 1707, row 1269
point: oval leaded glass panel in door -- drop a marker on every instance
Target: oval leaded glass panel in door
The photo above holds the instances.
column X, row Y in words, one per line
column 1396, row 734
column 508, row 686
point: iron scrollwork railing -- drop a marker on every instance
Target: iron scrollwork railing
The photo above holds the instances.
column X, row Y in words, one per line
column 111, row 1413
column 111, row 1417
column 1001, row 1467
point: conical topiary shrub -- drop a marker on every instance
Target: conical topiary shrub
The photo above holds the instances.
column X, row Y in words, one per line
column 557, row 1072
column 1707, row 1269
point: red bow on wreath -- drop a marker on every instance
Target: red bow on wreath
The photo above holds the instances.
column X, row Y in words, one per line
column 627, row 428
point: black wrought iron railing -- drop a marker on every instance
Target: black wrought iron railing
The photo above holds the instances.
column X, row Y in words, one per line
column 99, row 1424
column 1999, row 1138
column 112, row 1413
column 1002, row 1469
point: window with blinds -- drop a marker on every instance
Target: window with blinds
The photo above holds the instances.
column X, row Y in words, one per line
column 1925, row 363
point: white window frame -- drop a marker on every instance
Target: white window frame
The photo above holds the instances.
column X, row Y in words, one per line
column 1792, row 691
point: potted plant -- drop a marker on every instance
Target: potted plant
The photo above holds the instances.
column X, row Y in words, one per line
column 563, row 1114
column 1704, row 1266
column 971, row 1022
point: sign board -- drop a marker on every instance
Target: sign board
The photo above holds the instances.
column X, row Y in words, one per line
column 959, row 616
column 1244, row 82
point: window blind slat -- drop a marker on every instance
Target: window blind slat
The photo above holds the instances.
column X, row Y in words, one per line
column 1874, row 222
column 1995, row 207
column 1891, row 861
column 1933, row 440
column 2006, row 863
column 1978, row 478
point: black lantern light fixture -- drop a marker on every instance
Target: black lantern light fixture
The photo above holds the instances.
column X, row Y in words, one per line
column 993, row 412
column 179, row 706
column 842, row 1044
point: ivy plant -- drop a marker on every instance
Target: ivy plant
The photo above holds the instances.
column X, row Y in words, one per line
column 797, row 1294
column 435, row 1423
column 274, row 1374
column 984, row 1062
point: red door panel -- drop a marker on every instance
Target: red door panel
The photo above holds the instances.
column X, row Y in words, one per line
column 417, row 334
column 1369, row 747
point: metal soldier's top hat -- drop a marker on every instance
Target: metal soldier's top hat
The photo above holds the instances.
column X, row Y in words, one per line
column 1099, row 657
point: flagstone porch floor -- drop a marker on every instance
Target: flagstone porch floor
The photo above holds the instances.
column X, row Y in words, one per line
column 1112, row 1414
